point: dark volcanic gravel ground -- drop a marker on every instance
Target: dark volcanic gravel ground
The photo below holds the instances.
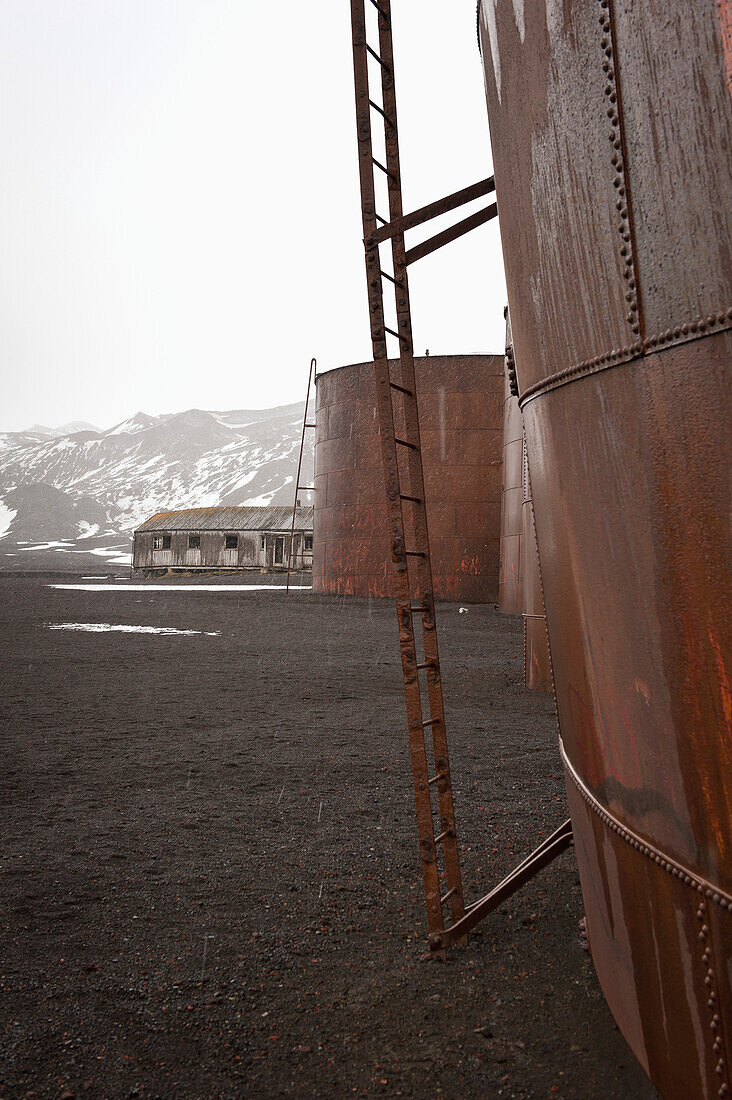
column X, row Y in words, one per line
column 209, row 867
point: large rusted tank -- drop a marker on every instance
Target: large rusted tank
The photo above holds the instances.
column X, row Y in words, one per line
column 510, row 593
column 611, row 126
column 460, row 411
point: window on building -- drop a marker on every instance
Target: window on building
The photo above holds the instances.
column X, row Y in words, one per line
column 308, row 542
column 231, row 542
column 264, row 542
column 161, row 542
column 194, row 542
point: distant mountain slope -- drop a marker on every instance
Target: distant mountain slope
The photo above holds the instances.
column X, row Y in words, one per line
column 42, row 513
column 89, row 489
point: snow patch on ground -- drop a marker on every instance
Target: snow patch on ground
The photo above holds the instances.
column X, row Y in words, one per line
column 113, row 555
column 182, row 587
column 66, row 545
column 7, row 515
column 105, row 628
column 86, row 530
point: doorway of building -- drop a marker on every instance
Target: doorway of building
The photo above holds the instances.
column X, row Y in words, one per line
column 279, row 551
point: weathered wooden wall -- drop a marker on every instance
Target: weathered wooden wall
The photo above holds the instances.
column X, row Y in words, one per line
column 256, row 550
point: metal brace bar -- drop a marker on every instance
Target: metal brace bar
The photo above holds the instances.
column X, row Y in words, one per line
column 547, row 851
column 451, row 234
column 432, row 210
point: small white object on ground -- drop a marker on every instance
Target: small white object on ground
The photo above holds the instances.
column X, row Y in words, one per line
column 461, row 610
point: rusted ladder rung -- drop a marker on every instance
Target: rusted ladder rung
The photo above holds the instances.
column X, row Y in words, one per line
column 381, row 11
column 401, row 389
column 383, row 168
column 427, row 664
column 431, row 722
column 448, row 895
column 381, row 112
column 385, row 274
column 415, row 554
column 399, row 335
column 406, row 443
column 445, row 832
column 380, row 219
column 377, row 58
column 436, row 778
column 414, row 500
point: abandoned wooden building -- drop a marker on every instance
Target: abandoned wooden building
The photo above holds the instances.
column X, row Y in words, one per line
column 224, row 538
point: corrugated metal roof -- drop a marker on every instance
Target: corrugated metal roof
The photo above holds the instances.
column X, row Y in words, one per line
column 230, row 519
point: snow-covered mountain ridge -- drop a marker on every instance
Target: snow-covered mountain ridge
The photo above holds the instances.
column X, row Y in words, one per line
column 92, row 485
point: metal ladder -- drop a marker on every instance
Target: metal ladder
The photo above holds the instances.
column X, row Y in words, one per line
column 412, row 548
column 312, row 373
column 402, row 458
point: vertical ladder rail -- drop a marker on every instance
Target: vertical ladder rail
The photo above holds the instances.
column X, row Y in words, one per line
column 396, row 498
column 313, row 367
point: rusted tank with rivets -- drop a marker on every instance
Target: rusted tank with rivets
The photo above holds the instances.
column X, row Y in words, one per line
column 537, row 663
column 611, row 127
column 460, row 417
column 510, row 594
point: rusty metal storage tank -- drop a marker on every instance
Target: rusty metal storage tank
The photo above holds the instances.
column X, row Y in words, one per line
column 460, row 411
column 611, row 126
column 510, row 594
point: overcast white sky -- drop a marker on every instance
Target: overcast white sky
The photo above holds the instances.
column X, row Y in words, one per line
column 179, row 209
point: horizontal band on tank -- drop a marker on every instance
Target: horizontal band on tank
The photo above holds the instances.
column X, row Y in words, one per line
column 681, row 334
column 672, row 866
column 434, row 359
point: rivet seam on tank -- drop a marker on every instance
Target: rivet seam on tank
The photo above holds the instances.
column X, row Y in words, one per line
column 620, row 178
column 710, row 982
column 677, row 870
column 526, row 643
column 511, row 371
column 541, row 588
column 696, row 329
column 692, row 329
